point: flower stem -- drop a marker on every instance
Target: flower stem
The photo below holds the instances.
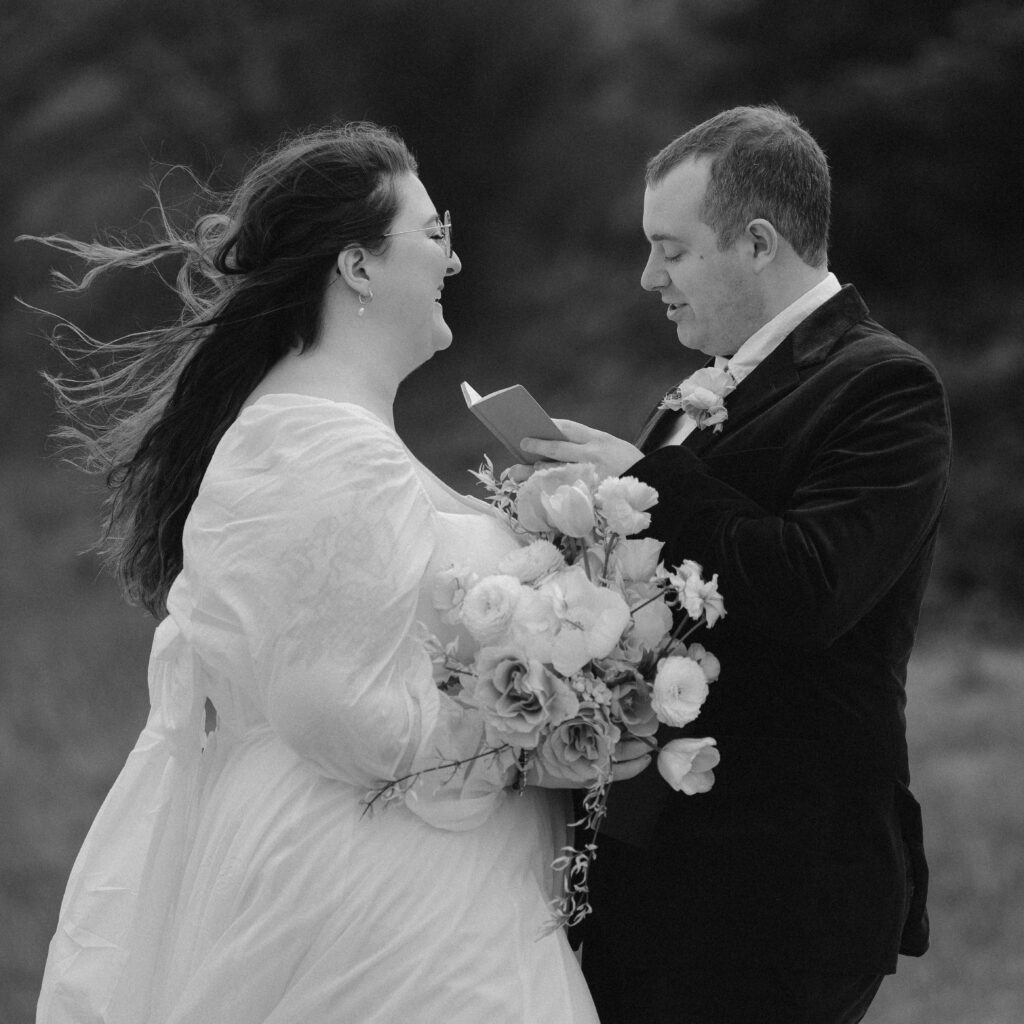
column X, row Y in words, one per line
column 443, row 766
column 674, row 637
column 582, row 549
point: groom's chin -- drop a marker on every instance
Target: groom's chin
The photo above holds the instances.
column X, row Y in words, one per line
column 687, row 339
column 442, row 338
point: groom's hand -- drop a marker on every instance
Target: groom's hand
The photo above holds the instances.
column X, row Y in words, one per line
column 631, row 757
column 610, row 455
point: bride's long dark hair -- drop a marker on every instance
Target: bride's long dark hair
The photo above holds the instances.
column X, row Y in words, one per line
column 251, row 282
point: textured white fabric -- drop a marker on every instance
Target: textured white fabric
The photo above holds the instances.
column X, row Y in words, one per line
column 241, row 883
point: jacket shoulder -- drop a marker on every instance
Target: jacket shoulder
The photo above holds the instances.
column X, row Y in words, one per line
column 867, row 344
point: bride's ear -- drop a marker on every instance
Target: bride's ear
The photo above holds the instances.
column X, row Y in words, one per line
column 351, row 268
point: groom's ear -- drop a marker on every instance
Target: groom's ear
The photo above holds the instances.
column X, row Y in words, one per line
column 764, row 242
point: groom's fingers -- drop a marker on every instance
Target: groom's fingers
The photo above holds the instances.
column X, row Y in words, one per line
column 569, row 450
column 554, row 451
column 630, row 769
column 631, row 757
column 609, row 454
column 627, row 750
column 578, row 433
column 519, row 472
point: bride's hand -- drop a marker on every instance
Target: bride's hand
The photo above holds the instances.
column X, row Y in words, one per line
column 609, row 454
column 631, row 757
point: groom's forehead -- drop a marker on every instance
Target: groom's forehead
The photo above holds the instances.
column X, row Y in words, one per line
column 675, row 199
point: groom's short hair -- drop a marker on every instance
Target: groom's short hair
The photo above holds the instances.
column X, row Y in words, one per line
column 763, row 164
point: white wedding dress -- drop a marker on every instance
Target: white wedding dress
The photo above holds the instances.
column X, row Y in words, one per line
column 242, row 883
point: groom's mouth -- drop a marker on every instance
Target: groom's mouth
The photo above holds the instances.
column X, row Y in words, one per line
column 673, row 308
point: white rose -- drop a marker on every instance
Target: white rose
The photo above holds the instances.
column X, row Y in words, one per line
column 489, row 607
column 680, row 689
column 685, row 764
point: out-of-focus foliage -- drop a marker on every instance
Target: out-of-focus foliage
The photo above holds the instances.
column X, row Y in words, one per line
column 532, row 121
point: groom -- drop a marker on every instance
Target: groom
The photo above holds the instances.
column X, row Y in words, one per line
column 786, row 892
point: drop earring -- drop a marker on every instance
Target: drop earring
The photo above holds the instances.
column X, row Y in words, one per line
column 364, row 300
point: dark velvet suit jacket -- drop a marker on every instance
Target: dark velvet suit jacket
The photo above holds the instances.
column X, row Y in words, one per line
column 817, row 506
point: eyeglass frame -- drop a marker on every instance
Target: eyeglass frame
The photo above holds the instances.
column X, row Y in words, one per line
column 444, row 224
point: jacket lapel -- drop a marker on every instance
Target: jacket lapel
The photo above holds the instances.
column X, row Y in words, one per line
column 809, row 343
column 659, row 424
column 650, row 430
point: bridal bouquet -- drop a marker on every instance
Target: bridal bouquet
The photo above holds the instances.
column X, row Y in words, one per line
column 575, row 648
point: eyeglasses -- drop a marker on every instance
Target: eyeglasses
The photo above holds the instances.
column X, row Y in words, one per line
column 444, row 225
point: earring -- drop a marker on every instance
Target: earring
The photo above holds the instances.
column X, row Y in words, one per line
column 363, row 301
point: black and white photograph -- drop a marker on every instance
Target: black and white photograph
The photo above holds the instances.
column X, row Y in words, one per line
column 511, row 512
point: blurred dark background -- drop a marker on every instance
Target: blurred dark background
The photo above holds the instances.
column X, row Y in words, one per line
column 532, row 121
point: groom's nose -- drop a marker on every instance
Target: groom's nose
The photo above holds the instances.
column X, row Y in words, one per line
column 653, row 276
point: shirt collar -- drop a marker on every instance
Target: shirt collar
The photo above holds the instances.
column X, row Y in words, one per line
column 767, row 338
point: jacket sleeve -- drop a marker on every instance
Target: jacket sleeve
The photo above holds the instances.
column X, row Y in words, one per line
column 873, row 468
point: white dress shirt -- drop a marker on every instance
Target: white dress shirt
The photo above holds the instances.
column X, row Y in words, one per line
column 763, row 342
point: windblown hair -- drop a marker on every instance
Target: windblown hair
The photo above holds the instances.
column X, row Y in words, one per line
column 763, row 165
column 251, row 281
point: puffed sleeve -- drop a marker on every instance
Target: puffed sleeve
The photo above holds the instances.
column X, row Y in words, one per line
column 309, row 543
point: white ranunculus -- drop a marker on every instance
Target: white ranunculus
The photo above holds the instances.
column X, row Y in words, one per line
column 680, row 689
column 489, row 607
column 532, row 562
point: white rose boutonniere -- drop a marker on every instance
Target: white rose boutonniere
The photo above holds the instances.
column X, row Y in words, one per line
column 702, row 395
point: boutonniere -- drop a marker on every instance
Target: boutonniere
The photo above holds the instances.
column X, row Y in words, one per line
column 702, row 395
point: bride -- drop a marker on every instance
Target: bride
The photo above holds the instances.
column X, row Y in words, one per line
column 264, row 507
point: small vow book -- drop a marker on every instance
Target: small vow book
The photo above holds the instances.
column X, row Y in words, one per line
column 510, row 415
